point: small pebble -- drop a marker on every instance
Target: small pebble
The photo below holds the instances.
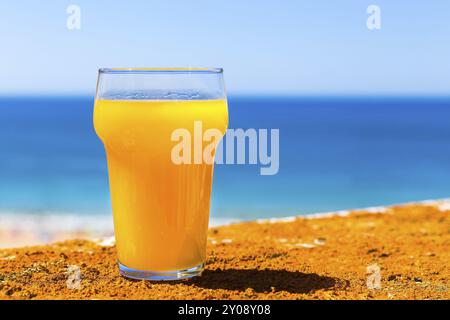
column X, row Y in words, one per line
column 8, row 258
column 305, row 245
column 319, row 241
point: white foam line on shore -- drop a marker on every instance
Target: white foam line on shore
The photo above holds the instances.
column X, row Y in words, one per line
column 55, row 222
column 440, row 204
column 277, row 220
column 102, row 224
column 105, row 242
column 217, row 222
column 70, row 222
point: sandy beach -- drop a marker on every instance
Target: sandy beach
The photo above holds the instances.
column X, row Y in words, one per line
column 335, row 256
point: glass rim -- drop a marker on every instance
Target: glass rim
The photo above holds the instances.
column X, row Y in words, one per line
column 144, row 70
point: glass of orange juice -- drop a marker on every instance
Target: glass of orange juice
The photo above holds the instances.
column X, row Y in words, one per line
column 160, row 204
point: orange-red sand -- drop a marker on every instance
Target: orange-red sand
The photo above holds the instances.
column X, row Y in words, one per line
column 323, row 258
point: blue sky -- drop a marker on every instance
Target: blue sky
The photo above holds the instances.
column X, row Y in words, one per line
column 271, row 47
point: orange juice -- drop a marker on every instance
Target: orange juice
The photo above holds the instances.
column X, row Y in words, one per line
column 161, row 209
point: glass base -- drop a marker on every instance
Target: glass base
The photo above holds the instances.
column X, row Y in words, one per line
column 160, row 275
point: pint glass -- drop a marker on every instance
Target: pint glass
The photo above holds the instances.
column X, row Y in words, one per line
column 151, row 121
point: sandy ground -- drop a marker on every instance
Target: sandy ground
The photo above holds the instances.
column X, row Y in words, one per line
column 321, row 258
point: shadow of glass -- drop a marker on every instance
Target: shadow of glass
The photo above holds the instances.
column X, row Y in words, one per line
column 263, row 280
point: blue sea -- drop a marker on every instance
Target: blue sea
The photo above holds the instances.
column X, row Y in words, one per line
column 335, row 153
